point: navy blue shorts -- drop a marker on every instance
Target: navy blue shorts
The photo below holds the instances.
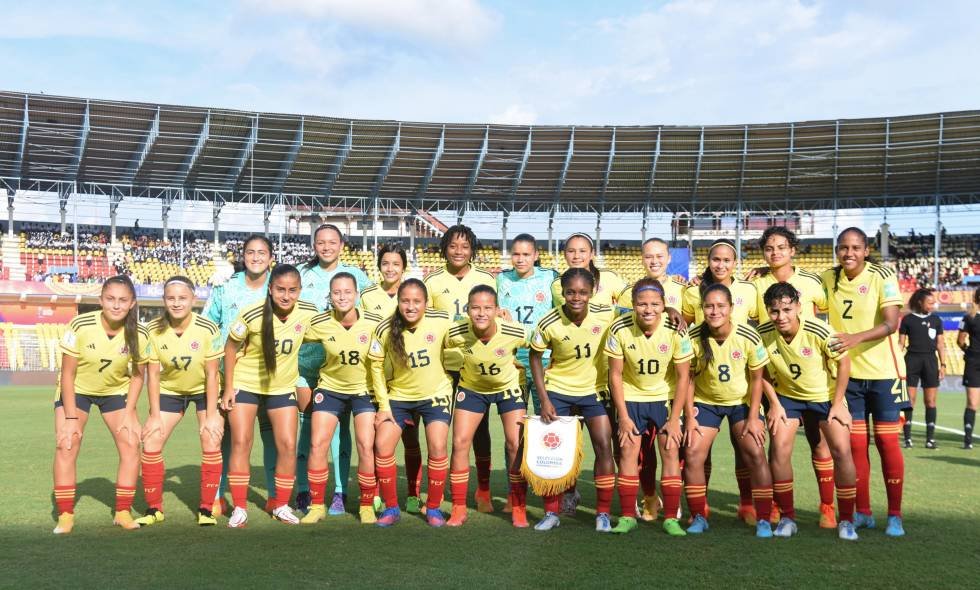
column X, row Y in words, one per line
column 105, row 403
column 711, row 415
column 340, row 404
column 882, row 399
column 479, row 403
column 648, row 417
column 436, row 409
column 178, row 404
column 587, row 406
column 269, row 402
column 797, row 408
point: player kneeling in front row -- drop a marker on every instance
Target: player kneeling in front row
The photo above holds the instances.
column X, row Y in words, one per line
column 801, row 385
column 183, row 371
column 489, row 375
column 648, row 356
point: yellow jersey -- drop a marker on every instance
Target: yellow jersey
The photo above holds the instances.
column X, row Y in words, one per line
column 450, row 294
column 488, row 368
column 724, row 380
column 610, row 287
column 182, row 357
column 250, row 371
column 377, row 301
column 345, row 368
column 744, row 302
column 855, row 306
column 673, row 294
column 807, row 283
column 423, row 375
column 577, row 365
column 103, row 361
column 648, row 361
column 801, row 369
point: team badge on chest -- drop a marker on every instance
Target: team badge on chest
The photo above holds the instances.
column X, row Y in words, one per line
column 737, row 355
column 195, row 345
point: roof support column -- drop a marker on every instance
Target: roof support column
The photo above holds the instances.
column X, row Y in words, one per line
column 216, row 206
column 165, row 212
column 836, row 165
column 267, row 206
column 503, row 239
column 937, row 245
column 64, row 191
column 114, row 200
column 646, row 218
column 10, row 214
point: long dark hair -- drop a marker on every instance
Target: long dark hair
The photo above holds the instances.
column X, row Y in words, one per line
column 456, row 231
column 838, row 268
column 268, row 310
column 167, row 320
column 918, row 299
column 239, row 265
column 399, row 323
column 131, row 325
column 315, row 259
column 592, row 267
column 397, row 249
column 707, row 277
column 704, row 332
column 777, row 230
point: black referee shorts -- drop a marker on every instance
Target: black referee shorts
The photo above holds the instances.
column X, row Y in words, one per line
column 922, row 367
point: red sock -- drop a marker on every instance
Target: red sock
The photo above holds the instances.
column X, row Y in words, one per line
column 438, row 470
column 518, row 488
column 862, row 465
column 783, row 494
column 744, row 479
column 845, row 502
column 483, row 473
column 696, row 497
column 670, row 487
column 629, row 485
column 64, row 499
column 823, row 468
column 388, row 479
column 151, row 464
column 605, row 485
column 413, row 470
column 238, row 482
column 318, row 485
column 552, row 503
column 284, row 489
column 459, row 483
column 892, row 463
column 762, row 498
column 368, row 484
column 210, row 478
column 124, row 498
column 648, row 467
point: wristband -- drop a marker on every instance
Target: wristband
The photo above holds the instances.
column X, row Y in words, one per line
column 71, row 418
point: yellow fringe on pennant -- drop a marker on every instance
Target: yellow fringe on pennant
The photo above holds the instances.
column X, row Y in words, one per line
column 552, row 487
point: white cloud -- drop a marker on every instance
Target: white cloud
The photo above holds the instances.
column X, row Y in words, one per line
column 515, row 114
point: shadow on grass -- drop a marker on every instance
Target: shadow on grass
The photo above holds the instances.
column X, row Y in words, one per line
column 965, row 461
column 99, row 489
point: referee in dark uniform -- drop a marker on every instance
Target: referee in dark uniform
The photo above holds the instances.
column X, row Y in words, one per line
column 921, row 335
column 970, row 328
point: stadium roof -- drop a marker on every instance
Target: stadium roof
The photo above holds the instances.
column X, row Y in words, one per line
column 135, row 149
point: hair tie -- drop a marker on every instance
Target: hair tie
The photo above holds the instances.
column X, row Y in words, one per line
column 649, row 288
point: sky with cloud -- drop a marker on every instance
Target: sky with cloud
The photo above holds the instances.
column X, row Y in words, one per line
column 507, row 61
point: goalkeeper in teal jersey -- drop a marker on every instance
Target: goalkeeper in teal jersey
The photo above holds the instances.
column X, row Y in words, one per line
column 525, row 292
column 223, row 307
column 328, row 243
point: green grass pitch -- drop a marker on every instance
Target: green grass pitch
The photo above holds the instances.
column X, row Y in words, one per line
column 941, row 549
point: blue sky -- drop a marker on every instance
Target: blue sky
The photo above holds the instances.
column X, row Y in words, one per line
column 548, row 62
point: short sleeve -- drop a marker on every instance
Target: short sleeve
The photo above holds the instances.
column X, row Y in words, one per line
column 683, row 349
column 689, row 302
column 939, row 325
column 212, row 308
column 961, row 327
column 69, row 343
column 829, row 351
column 903, row 327
column 820, row 296
column 889, row 294
column 216, row 348
column 239, row 330
column 154, row 353
column 376, row 352
column 556, row 297
column 613, row 347
column 144, row 346
column 758, row 356
column 541, row 340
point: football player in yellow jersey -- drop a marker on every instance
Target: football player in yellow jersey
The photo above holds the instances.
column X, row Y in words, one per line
column 803, row 383
column 727, row 383
column 183, row 370
column 261, row 369
column 489, row 376
column 656, row 261
column 580, row 253
column 778, row 245
column 577, row 379
column 722, row 259
column 410, row 383
column 103, row 357
column 863, row 303
column 449, row 289
column 343, row 388
column 644, row 348
column 383, row 300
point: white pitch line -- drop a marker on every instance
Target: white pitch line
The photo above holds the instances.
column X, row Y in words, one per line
column 943, row 428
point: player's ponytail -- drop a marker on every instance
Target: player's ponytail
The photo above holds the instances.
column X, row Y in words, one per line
column 399, row 324
column 167, row 320
column 131, row 325
column 268, row 311
column 704, row 333
column 838, row 268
